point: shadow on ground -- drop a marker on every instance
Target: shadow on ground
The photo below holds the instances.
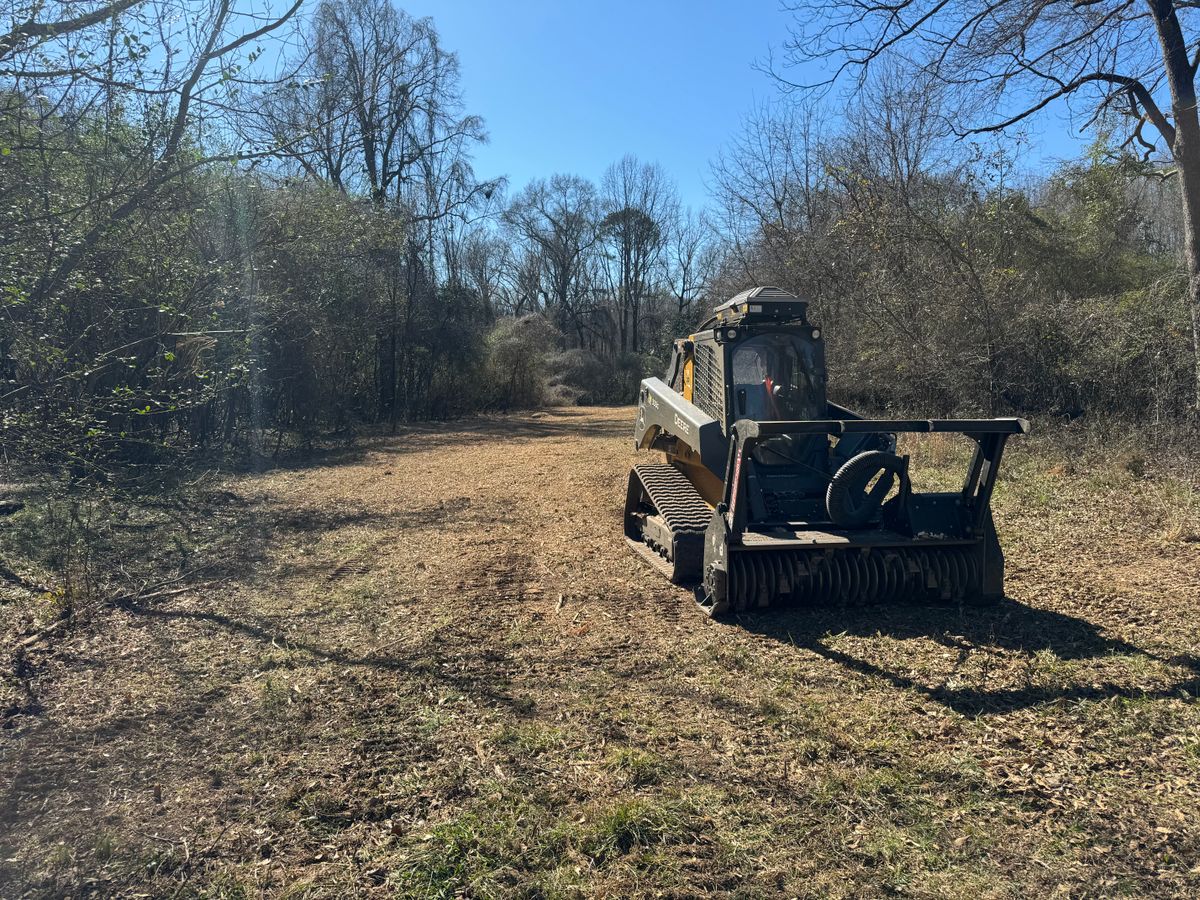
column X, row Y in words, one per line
column 458, row 662
column 1007, row 625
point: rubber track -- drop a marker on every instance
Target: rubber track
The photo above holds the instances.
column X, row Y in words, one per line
column 686, row 515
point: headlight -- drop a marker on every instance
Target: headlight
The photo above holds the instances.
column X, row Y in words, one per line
column 816, row 333
column 731, row 334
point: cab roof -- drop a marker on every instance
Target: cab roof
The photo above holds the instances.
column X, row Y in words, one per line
column 765, row 303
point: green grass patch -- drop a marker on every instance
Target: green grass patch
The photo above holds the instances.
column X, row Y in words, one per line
column 617, row 829
column 537, row 845
column 637, row 767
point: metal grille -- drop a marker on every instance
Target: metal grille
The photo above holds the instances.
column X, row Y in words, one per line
column 707, row 390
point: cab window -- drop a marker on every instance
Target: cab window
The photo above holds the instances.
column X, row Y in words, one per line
column 776, row 377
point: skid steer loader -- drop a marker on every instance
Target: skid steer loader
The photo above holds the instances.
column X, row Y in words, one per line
column 769, row 492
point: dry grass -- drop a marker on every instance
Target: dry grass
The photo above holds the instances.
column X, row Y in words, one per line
column 429, row 667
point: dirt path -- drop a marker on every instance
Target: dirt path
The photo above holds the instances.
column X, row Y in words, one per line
column 429, row 666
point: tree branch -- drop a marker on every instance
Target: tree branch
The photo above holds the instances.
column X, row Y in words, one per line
column 10, row 42
column 1133, row 85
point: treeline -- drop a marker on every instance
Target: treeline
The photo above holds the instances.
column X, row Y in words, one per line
column 197, row 251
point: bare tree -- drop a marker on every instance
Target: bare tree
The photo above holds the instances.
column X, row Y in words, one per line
column 522, row 274
column 1130, row 60
column 485, row 257
column 376, row 108
column 556, row 218
column 767, row 187
column 691, row 263
column 640, row 204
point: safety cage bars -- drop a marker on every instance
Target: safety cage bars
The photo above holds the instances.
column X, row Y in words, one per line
column 990, row 436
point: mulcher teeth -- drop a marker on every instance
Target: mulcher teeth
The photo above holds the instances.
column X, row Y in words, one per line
column 758, row 579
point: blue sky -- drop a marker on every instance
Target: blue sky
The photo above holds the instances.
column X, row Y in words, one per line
column 571, row 86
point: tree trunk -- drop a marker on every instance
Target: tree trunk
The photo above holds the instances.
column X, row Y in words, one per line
column 1193, row 301
column 635, row 309
column 393, row 337
column 1188, row 161
column 1186, row 151
column 1185, row 148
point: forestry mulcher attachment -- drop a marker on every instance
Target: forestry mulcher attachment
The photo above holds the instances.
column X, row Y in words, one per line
column 770, row 493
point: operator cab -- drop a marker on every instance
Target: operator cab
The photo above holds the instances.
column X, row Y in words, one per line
column 773, row 357
column 759, row 358
column 756, row 358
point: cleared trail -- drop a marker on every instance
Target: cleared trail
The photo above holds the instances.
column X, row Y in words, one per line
column 428, row 665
